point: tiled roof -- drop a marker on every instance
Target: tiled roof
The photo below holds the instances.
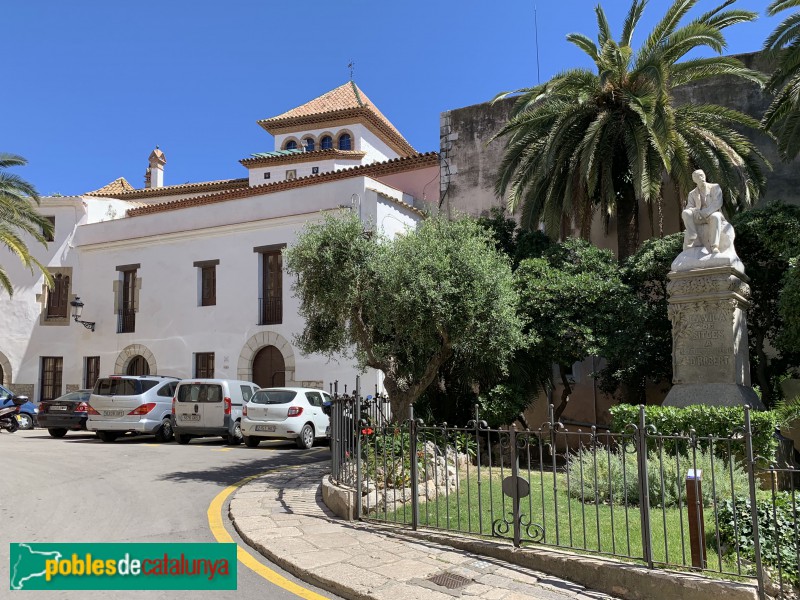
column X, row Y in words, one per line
column 292, row 156
column 389, row 167
column 345, row 101
column 277, row 153
column 118, row 186
column 170, row 190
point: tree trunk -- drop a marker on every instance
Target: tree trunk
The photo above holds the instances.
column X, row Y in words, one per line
column 565, row 394
column 761, row 371
column 627, row 222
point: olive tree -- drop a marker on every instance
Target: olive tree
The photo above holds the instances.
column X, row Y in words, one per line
column 404, row 305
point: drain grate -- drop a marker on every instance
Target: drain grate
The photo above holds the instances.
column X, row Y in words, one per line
column 451, row 581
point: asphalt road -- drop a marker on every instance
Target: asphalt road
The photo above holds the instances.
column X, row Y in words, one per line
column 79, row 489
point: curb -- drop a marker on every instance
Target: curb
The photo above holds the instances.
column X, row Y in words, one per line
column 625, row 580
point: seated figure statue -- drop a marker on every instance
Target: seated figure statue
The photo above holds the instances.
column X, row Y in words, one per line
column 703, row 208
column 708, row 239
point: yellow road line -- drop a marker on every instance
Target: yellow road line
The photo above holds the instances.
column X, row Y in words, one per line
column 221, row 534
column 223, row 449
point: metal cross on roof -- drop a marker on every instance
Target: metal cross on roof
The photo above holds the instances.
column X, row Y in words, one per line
column 351, row 66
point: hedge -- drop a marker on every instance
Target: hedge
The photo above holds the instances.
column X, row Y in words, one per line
column 714, row 421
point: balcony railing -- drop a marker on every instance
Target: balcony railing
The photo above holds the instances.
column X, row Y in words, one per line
column 270, row 310
column 126, row 320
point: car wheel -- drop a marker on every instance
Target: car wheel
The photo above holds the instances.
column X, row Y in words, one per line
column 25, row 421
column 306, row 437
column 108, row 436
column 235, row 438
column 164, row 433
column 182, row 439
column 251, row 442
column 57, row 432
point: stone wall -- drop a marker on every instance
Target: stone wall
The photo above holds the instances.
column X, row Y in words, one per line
column 474, row 162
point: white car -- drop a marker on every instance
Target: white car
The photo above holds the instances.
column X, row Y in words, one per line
column 288, row 413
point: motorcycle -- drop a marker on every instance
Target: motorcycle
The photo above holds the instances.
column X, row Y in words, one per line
column 8, row 414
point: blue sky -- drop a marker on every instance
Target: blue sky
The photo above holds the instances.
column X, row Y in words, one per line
column 93, row 85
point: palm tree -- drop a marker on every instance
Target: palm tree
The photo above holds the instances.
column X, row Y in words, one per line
column 18, row 216
column 604, row 139
column 783, row 115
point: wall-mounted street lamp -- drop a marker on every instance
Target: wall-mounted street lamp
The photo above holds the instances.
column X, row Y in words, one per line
column 77, row 310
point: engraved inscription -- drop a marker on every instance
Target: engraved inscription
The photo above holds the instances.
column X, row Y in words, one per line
column 703, row 340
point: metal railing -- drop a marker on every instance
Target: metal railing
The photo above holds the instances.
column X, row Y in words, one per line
column 270, row 310
column 667, row 500
column 126, row 320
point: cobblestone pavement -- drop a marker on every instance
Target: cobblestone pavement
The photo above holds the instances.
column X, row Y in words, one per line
column 282, row 515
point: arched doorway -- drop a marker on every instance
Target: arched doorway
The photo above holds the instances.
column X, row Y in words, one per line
column 138, row 366
column 269, row 368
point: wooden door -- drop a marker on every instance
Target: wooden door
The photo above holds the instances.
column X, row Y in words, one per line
column 269, row 370
column 138, row 366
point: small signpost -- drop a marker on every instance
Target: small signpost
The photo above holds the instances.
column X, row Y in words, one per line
column 694, row 506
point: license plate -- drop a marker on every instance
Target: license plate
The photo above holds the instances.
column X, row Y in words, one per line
column 113, row 413
column 190, row 417
column 58, row 408
column 265, row 427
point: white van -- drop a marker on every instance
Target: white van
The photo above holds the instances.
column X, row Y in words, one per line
column 209, row 407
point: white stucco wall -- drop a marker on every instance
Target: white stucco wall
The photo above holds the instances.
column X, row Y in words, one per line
column 303, row 169
column 170, row 323
column 363, row 140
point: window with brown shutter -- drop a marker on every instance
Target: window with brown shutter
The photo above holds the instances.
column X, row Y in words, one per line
column 271, row 301
column 91, row 371
column 208, row 286
column 50, row 381
column 207, row 279
column 58, row 297
column 127, row 310
column 204, row 365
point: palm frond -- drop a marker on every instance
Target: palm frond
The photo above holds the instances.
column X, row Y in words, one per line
column 631, row 21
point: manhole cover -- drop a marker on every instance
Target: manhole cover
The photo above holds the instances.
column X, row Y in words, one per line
column 451, row 581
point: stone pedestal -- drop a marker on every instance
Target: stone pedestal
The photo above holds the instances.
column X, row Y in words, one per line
column 710, row 360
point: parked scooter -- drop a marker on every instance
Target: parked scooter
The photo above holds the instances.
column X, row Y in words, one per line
column 8, row 414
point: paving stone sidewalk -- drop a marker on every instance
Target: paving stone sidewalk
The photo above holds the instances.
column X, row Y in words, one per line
column 282, row 515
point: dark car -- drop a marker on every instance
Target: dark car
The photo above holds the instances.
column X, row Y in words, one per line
column 26, row 413
column 66, row 413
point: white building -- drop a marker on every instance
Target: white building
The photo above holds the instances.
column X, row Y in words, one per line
column 187, row 280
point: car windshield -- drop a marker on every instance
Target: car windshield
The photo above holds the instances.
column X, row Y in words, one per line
column 115, row 387
column 273, row 397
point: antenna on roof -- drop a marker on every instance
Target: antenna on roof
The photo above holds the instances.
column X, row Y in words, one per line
column 536, row 29
column 351, row 66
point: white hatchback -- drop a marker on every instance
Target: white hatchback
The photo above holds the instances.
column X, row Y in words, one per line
column 287, row 413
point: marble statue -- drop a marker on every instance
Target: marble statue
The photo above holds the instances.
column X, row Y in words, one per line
column 708, row 296
column 708, row 239
column 703, row 208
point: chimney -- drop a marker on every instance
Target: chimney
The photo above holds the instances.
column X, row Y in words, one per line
column 154, row 176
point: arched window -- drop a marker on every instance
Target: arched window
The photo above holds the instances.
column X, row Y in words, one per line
column 326, row 143
column 345, row 142
column 309, row 144
column 290, row 145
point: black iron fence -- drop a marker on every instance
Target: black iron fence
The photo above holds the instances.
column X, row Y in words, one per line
column 666, row 500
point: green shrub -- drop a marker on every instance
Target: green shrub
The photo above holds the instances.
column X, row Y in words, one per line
column 776, row 525
column 715, row 421
column 612, row 476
